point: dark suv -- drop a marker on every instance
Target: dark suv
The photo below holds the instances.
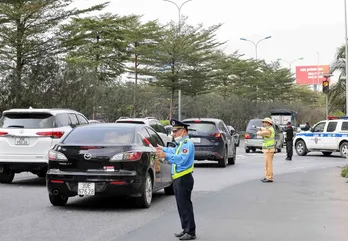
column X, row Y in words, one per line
column 212, row 140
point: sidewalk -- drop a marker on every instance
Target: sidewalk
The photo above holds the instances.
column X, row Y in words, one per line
column 297, row 206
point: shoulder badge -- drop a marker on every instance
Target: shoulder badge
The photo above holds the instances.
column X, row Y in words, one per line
column 184, row 150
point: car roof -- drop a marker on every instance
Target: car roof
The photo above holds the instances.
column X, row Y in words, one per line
column 215, row 120
column 110, row 125
column 145, row 120
column 33, row 110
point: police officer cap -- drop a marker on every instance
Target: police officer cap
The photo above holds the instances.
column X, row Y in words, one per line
column 178, row 124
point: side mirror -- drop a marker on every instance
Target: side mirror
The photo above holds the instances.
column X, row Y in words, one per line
column 73, row 125
column 171, row 144
column 311, row 129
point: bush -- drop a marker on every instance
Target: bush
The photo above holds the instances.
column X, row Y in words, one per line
column 344, row 172
column 165, row 122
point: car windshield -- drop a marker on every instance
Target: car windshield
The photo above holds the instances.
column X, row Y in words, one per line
column 252, row 123
column 100, row 136
column 27, row 120
column 206, row 127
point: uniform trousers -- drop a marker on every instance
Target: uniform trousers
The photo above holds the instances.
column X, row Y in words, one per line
column 182, row 189
column 289, row 149
column 268, row 154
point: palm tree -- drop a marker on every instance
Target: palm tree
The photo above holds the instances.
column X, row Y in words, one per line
column 337, row 94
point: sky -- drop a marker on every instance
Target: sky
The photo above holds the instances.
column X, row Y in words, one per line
column 308, row 29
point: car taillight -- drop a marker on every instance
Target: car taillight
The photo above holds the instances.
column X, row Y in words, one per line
column 247, row 136
column 53, row 134
column 3, row 133
column 197, row 121
column 126, row 156
column 56, row 156
column 216, row 135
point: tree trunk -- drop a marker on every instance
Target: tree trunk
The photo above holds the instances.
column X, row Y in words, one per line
column 135, row 85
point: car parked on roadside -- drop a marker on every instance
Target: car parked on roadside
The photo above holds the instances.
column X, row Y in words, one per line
column 254, row 142
column 26, row 135
column 108, row 159
column 150, row 121
column 212, row 140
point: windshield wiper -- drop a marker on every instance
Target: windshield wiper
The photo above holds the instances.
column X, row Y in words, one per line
column 14, row 126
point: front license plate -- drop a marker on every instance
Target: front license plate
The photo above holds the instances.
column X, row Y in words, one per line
column 86, row 188
column 196, row 140
column 22, row 141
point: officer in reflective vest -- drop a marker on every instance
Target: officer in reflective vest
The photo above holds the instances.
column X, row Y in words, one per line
column 268, row 148
column 182, row 159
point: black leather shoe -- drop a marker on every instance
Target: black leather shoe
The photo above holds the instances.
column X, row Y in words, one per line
column 187, row 236
column 178, row 235
column 266, row 180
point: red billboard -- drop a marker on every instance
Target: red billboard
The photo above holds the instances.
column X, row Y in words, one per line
column 308, row 75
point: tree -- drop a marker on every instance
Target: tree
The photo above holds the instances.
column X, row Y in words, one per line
column 28, row 29
column 142, row 40
column 337, row 94
column 100, row 44
column 182, row 59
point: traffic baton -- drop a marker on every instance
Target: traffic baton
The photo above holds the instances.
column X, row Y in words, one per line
column 147, row 142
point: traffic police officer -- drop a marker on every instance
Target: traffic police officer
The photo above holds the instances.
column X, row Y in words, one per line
column 289, row 141
column 182, row 159
column 268, row 147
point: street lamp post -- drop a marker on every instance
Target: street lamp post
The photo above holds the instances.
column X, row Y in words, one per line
column 346, row 45
column 256, row 44
column 289, row 62
column 179, row 28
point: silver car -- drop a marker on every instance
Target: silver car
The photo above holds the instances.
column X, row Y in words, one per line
column 254, row 142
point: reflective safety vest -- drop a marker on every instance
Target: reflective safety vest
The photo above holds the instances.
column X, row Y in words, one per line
column 269, row 142
column 183, row 173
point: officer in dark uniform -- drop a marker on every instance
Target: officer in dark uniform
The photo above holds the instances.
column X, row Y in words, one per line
column 182, row 159
column 289, row 141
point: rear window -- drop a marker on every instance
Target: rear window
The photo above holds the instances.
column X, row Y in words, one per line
column 100, row 136
column 27, row 120
column 206, row 127
column 257, row 123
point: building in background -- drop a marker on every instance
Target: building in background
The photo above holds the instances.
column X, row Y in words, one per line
column 312, row 76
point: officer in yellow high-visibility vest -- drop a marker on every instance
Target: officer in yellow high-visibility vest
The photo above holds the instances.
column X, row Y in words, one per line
column 182, row 159
column 268, row 147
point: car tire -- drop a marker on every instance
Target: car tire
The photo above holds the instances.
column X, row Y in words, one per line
column 7, row 176
column 301, row 148
column 344, row 149
column 238, row 142
column 169, row 190
column 224, row 161
column 144, row 201
column 327, row 153
column 247, row 150
column 58, row 200
column 232, row 160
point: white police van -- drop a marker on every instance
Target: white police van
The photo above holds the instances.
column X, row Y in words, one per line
column 326, row 136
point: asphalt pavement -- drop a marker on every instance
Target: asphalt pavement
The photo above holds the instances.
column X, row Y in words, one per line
column 307, row 201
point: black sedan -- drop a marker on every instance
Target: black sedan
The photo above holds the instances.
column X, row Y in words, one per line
column 108, row 159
